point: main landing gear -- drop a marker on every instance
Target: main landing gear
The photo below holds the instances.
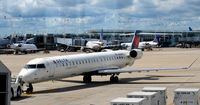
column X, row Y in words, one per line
column 114, row 79
column 29, row 89
column 87, row 78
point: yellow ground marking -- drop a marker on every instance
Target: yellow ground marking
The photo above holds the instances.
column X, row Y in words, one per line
column 27, row 94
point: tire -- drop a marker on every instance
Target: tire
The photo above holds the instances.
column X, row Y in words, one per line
column 116, row 79
column 19, row 92
column 87, row 79
column 12, row 94
column 29, row 91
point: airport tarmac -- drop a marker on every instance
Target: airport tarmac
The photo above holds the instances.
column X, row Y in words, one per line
column 71, row 91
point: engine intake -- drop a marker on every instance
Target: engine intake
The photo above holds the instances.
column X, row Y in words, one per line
column 137, row 54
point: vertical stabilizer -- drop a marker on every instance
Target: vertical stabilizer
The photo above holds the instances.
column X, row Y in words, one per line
column 135, row 41
column 190, row 29
column 101, row 36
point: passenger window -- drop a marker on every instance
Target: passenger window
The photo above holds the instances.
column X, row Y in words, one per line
column 70, row 64
column 66, row 64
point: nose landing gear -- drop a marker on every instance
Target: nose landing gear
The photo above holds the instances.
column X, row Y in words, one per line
column 29, row 89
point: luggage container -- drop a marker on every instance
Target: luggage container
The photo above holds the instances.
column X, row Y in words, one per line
column 129, row 101
column 152, row 97
column 162, row 93
column 186, row 96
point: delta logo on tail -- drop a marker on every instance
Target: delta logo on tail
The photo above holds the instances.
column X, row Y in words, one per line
column 135, row 43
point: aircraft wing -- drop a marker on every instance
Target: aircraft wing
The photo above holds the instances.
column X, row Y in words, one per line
column 143, row 69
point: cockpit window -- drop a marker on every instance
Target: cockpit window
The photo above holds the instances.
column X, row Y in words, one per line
column 30, row 66
column 40, row 66
column 34, row 66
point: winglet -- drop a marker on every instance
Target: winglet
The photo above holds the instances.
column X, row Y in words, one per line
column 191, row 63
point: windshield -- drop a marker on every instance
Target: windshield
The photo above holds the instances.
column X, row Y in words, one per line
column 34, row 66
column 40, row 66
column 30, row 66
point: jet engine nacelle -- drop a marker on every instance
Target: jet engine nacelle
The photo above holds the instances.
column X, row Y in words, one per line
column 136, row 53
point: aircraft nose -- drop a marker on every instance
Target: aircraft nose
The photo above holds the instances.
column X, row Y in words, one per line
column 26, row 75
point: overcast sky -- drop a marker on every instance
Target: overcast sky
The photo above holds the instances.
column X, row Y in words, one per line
column 77, row 16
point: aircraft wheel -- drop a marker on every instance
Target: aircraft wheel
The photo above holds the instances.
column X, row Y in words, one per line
column 114, row 79
column 16, row 52
column 84, row 79
column 87, row 79
column 142, row 49
column 30, row 89
column 12, row 94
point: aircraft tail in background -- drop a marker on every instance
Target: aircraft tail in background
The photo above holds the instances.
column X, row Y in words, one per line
column 135, row 41
column 101, row 36
column 157, row 38
column 190, row 29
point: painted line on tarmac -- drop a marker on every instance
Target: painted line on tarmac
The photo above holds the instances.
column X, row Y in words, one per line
column 51, row 88
column 28, row 95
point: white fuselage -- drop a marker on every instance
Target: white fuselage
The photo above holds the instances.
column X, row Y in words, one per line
column 142, row 45
column 49, row 68
column 94, row 44
column 23, row 47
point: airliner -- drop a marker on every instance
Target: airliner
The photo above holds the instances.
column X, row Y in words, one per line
column 93, row 45
column 145, row 44
column 24, row 46
column 87, row 64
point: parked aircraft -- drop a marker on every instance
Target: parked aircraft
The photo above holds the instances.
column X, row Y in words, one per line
column 88, row 64
column 90, row 46
column 4, row 42
column 145, row 44
column 25, row 46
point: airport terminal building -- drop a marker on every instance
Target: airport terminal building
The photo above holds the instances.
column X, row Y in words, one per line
column 114, row 37
column 168, row 38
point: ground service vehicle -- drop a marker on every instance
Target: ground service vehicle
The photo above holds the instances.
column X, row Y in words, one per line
column 16, row 87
